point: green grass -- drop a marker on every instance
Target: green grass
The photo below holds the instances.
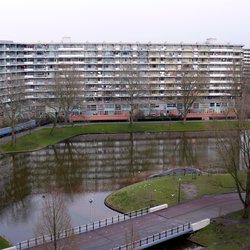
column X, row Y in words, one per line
column 225, row 234
column 42, row 138
column 4, row 243
column 165, row 190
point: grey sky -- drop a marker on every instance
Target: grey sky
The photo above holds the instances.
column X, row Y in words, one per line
column 126, row 20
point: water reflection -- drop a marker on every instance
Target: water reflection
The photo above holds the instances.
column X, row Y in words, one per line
column 91, row 165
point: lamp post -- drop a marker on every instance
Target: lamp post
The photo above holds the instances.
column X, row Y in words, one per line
column 179, row 190
column 90, row 202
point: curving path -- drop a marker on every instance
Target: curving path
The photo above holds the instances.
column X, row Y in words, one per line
column 191, row 211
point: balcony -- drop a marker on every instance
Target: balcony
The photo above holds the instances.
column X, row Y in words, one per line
column 28, row 90
column 29, row 97
column 28, row 56
column 219, row 69
column 28, row 49
column 221, row 56
column 29, row 83
column 217, row 75
column 223, row 63
column 221, row 50
column 28, row 63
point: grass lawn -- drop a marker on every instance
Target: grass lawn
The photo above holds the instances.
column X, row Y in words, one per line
column 4, row 243
column 165, row 190
column 41, row 138
column 227, row 234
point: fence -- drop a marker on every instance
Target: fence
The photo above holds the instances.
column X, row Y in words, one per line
column 81, row 229
column 156, row 238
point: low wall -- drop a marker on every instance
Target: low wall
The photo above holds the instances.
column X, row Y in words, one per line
column 200, row 224
column 157, row 208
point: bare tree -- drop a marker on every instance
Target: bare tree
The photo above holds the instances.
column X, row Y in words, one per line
column 234, row 150
column 54, row 219
column 193, row 84
column 131, row 236
column 135, row 88
column 234, row 147
column 68, row 90
column 233, row 96
column 12, row 103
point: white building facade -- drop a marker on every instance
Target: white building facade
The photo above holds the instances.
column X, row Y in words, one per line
column 160, row 66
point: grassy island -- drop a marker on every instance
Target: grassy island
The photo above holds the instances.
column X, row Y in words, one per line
column 227, row 232
column 165, row 189
column 4, row 243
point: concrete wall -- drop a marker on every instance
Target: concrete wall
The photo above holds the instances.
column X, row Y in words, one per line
column 200, row 224
column 154, row 209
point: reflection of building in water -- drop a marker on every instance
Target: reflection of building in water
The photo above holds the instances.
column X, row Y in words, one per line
column 101, row 163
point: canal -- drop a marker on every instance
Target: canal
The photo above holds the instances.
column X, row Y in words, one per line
column 89, row 167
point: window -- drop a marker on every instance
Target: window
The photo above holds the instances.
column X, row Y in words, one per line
column 117, row 107
column 179, row 105
column 92, row 107
column 196, row 105
column 172, row 105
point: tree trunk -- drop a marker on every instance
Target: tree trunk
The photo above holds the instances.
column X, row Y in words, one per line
column 130, row 117
column 13, row 134
column 246, row 211
column 52, row 129
column 54, row 226
column 54, row 124
column 184, row 118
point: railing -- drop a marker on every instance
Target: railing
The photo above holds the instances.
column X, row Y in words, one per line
column 156, row 238
column 81, row 229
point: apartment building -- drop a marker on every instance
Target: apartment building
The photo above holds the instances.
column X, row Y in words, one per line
column 104, row 87
column 247, row 62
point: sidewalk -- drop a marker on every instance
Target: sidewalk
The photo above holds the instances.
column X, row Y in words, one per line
column 191, row 211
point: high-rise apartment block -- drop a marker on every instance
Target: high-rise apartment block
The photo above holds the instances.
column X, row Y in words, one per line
column 246, row 63
column 160, row 66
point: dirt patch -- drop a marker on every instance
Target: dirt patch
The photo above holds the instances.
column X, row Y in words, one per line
column 189, row 189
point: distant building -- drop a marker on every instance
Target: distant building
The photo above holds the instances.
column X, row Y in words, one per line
column 101, row 66
column 247, row 62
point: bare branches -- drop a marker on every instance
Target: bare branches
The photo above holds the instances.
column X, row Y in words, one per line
column 54, row 218
column 193, row 84
column 12, row 102
column 68, row 89
column 234, row 149
column 135, row 88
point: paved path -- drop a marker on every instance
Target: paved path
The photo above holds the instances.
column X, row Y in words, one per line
column 190, row 211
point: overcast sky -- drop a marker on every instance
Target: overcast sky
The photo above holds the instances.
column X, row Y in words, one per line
column 126, row 20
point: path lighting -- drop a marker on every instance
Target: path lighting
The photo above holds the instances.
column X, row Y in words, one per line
column 90, row 202
column 179, row 190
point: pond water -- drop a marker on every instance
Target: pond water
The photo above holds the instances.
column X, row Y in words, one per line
column 91, row 167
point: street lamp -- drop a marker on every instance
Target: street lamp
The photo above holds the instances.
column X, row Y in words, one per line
column 90, row 202
column 179, row 190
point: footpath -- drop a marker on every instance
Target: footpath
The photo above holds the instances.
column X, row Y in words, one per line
column 115, row 235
